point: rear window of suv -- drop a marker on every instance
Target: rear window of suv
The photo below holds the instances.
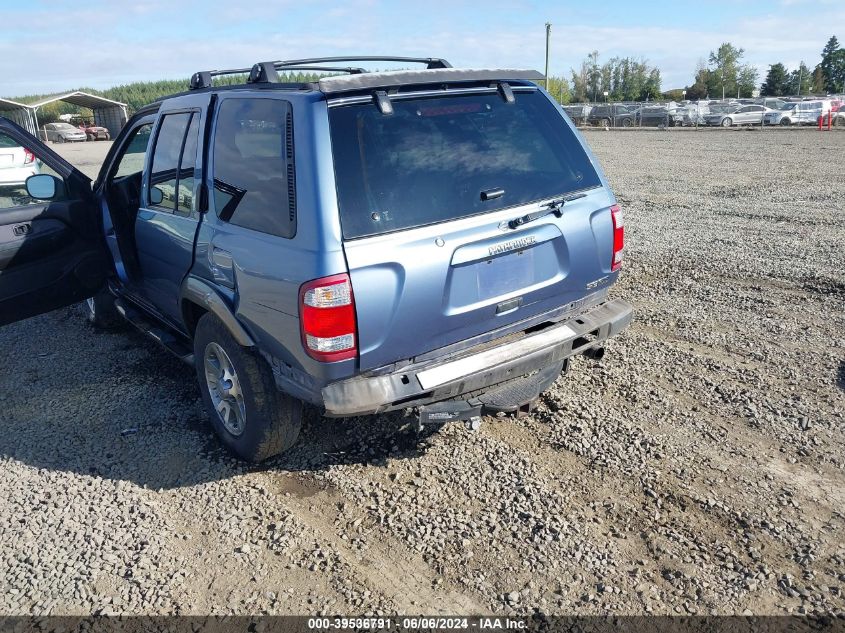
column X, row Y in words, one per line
column 431, row 159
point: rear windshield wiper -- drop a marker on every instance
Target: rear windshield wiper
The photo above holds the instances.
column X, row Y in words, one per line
column 554, row 206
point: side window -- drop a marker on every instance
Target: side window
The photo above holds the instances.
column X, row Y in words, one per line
column 187, row 163
column 17, row 163
column 132, row 161
column 254, row 185
column 168, row 149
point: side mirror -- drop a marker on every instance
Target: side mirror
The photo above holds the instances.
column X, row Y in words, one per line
column 43, row 186
column 156, row 195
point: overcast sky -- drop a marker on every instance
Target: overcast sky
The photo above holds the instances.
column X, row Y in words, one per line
column 63, row 44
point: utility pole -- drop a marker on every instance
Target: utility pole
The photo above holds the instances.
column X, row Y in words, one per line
column 548, row 35
column 800, row 68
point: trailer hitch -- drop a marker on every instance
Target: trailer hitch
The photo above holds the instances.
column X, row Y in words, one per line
column 440, row 413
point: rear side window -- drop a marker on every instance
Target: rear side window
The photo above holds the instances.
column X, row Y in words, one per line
column 185, row 202
column 168, row 149
column 254, row 185
column 432, row 158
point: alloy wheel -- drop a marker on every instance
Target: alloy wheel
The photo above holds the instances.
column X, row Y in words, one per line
column 224, row 389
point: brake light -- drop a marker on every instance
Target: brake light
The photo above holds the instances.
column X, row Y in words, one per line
column 618, row 237
column 28, row 157
column 327, row 318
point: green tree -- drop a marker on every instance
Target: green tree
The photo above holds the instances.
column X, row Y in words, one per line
column 746, row 81
column 593, row 76
column 559, row 89
column 699, row 89
column 818, row 86
column 652, row 86
column 725, row 69
column 800, row 80
column 623, row 78
column 776, row 83
column 837, row 78
column 579, row 84
column 833, row 65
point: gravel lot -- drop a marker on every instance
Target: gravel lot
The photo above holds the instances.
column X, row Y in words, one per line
column 699, row 468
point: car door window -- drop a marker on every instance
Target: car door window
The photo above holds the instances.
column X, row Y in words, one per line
column 168, row 149
column 185, row 203
column 132, row 160
column 17, row 163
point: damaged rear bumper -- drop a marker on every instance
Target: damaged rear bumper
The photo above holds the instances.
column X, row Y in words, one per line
column 447, row 378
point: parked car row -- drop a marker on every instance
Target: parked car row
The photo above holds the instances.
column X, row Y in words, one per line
column 800, row 113
column 621, row 115
column 727, row 113
column 63, row 132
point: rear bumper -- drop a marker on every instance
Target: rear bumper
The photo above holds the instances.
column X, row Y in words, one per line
column 468, row 372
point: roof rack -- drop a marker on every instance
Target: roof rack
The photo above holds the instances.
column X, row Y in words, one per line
column 430, row 62
column 267, row 72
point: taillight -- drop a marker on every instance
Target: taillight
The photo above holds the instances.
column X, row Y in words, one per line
column 618, row 237
column 28, row 157
column 327, row 318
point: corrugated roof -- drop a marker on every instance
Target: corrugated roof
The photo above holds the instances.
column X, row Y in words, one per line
column 83, row 99
column 8, row 104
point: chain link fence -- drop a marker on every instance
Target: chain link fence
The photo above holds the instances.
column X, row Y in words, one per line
column 705, row 113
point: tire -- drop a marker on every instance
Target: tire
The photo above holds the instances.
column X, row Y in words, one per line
column 626, row 122
column 727, row 122
column 101, row 313
column 251, row 416
column 606, row 122
column 60, row 139
column 785, row 122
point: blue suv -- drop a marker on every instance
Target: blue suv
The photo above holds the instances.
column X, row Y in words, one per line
column 438, row 239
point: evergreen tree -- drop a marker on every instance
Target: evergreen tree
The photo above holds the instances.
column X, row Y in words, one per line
column 832, row 65
column 776, row 83
column 818, row 86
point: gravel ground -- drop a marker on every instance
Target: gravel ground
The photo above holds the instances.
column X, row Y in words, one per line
column 699, row 468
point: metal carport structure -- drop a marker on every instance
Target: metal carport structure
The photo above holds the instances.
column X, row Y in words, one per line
column 20, row 113
column 107, row 113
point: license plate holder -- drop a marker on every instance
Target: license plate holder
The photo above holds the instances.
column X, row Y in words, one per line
column 500, row 275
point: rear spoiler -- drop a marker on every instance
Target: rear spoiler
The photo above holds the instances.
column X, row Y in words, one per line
column 396, row 78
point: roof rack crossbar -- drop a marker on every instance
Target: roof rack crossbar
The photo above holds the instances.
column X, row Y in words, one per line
column 261, row 72
column 430, row 62
column 352, row 70
column 202, row 79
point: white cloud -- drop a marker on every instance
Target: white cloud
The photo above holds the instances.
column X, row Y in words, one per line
column 141, row 45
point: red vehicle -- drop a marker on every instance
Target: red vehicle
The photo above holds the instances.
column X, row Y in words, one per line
column 94, row 132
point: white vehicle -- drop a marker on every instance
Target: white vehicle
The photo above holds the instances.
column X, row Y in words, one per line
column 16, row 163
column 800, row 113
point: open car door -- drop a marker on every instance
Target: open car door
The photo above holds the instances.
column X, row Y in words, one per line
column 52, row 251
